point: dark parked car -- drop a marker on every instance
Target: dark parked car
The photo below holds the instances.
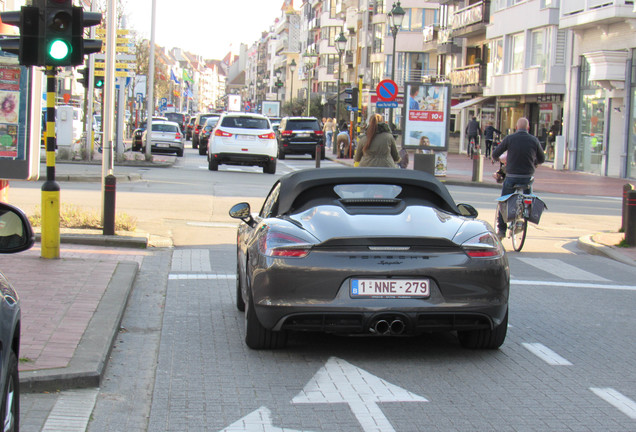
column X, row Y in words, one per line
column 204, row 136
column 199, row 123
column 16, row 235
column 300, row 135
column 189, row 127
column 369, row 251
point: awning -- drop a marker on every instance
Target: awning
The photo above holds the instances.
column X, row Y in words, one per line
column 470, row 102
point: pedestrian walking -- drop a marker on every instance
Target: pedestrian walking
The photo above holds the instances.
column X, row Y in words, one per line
column 377, row 147
column 328, row 129
column 489, row 134
column 524, row 153
column 343, row 142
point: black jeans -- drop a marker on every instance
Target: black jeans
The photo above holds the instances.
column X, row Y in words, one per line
column 488, row 147
column 508, row 188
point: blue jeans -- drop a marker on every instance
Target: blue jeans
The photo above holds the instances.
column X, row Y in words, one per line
column 507, row 189
column 329, row 140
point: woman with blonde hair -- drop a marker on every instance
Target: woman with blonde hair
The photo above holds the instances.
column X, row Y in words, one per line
column 377, row 147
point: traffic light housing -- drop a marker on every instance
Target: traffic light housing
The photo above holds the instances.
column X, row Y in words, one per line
column 99, row 82
column 352, row 99
column 27, row 46
column 64, row 43
column 86, row 73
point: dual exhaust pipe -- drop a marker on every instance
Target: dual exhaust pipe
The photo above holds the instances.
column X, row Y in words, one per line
column 384, row 327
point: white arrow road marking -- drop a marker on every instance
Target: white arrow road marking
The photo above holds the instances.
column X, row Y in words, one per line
column 546, row 354
column 341, row 382
column 618, row 400
column 257, row 421
column 561, row 269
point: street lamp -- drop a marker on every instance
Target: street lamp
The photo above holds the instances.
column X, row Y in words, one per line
column 396, row 17
column 341, row 44
column 310, row 60
column 292, row 69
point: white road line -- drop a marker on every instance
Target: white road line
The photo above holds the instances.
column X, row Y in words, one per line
column 213, row 224
column 197, row 260
column 205, row 276
column 573, row 285
column 546, row 354
column 618, row 400
column 561, row 269
column 72, row 411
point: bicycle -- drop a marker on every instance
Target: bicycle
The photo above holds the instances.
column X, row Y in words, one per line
column 473, row 147
column 519, row 210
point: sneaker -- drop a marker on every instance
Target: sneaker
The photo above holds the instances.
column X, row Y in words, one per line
column 501, row 235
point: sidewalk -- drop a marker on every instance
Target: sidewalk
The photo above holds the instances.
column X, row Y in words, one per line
column 72, row 306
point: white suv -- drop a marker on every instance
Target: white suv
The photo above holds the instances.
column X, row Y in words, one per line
column 243, row 139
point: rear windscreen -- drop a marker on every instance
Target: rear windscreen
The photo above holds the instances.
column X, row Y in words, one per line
column 163, row 128
column 245, row 123
column 302, row 125
column 175, row 117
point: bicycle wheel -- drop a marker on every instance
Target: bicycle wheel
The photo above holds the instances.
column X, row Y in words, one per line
column 518, row 229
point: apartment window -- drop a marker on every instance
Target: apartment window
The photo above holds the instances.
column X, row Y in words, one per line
column 330, row 60
column 377, row 73
column 538, row 46
column 517, row 51
column 497, row 51
column 332, row 9
column 378, row 38
column 413, row 19
column 431, row 16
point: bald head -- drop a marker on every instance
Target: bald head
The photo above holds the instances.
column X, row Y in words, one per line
column 522, row 124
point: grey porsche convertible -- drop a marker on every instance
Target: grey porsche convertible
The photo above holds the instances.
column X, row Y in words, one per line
column 368, row 251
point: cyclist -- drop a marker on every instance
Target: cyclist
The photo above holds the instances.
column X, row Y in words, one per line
column 489, row 133
column 473, row 130
column 524, row 154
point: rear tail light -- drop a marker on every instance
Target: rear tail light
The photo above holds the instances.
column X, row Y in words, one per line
column 319, row 132
column 286, row 133
column 276, row 244
column 527, row 201
column 270, row 135
column 485, row 245
column 178, row 136
column 221, row 133
column 197, row 128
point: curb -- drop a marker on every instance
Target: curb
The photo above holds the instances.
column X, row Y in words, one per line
column 86, row 368
column 588, row 245
column 102, row 240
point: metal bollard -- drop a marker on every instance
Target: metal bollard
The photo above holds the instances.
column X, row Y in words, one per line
column 318, row 155
column 478, row 168
column 110, row 186
column 630, row 222
column 627, row 187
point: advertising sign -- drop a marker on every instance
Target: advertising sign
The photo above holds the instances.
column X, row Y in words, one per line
column 234, row 103
column 426, row 114
column 271, row 108
column 20, row 90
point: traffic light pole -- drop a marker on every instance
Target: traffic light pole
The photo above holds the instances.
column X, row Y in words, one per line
column 50, row 188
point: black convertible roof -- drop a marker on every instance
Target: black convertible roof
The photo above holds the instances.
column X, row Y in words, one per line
column 295, row 183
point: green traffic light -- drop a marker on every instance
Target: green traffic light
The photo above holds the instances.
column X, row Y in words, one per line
column 99, row 82
column 59, row 50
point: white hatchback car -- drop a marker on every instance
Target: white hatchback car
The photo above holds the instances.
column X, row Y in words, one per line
column 243, row 139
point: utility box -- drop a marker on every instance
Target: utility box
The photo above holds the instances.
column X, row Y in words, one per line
column 68, row 125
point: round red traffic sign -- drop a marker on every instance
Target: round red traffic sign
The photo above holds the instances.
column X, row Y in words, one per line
column 387, row 90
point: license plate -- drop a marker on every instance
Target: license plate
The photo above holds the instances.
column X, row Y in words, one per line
column 390, row 288
column 303, row 134
column 162, row 145
column 245, row 137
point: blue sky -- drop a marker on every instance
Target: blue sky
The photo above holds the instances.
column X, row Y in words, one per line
column 205, row 27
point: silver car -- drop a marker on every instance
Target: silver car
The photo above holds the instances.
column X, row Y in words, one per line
column 166, row 137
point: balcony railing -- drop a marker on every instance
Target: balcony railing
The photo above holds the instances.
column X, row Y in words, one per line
column 467, row 75
column 472, row 14
column 445, row 36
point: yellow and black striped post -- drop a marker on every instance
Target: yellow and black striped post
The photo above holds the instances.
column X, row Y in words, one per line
column 50, row 188
column 359, row 116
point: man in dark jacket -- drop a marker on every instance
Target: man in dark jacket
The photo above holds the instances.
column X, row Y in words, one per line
column 473, row 130
column 524, row 153
column 489, row 134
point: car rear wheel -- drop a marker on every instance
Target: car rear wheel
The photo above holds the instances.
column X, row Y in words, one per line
column 180, row 153
column 281, row 155
column 202, row 150
column 195, row 143
column 270, row 167
column 10, row 410
column 484, row 338
column 212, row 164
column 257, row 336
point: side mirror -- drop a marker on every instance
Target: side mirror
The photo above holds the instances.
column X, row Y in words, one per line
column 16, row 234
column 467, row 210
column 243, row 212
